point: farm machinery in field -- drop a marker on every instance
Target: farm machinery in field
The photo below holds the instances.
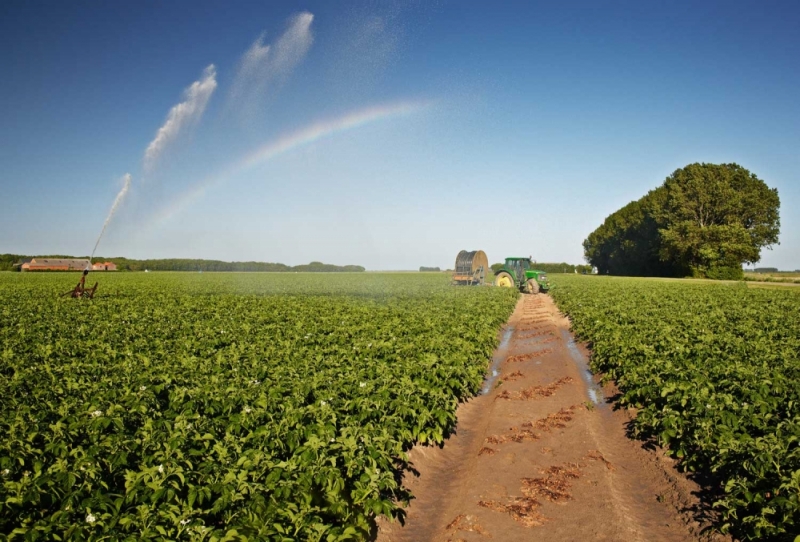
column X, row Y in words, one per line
column 81, row 291
column 471, row 268
column 519, row 273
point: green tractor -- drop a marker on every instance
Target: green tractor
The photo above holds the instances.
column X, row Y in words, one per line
column 519, row 273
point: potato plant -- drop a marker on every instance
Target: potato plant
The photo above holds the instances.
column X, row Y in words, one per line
column 228, row 406
column 714, row 373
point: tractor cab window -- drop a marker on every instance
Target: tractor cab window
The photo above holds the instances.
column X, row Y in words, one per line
column 515, row 266
column 525, row 264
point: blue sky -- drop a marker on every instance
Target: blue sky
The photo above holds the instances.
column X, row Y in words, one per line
column 386, row 134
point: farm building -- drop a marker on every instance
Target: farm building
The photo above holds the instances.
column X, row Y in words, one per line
column 55, row 264
column 107, row 266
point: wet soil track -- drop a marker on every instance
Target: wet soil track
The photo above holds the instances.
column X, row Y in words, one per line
column 542, row 455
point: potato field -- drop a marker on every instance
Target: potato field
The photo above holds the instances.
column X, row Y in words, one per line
column 233, row 406
column 714, row 373
column 224, row 406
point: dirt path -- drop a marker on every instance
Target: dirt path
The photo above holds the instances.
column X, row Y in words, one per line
column 542, row 456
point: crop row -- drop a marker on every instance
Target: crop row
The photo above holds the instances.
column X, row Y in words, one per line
column 225, row 407
column 714, row 373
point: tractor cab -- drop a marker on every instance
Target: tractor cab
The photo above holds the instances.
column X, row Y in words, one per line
column 519, row 265
column 519, row 273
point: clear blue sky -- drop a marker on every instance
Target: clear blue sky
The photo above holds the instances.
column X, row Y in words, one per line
column 511, row 127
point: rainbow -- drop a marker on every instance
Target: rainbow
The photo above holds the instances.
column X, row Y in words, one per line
column 289, row 142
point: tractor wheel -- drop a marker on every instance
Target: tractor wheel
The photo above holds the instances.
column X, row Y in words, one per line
column 504, row 280
column 532, row 287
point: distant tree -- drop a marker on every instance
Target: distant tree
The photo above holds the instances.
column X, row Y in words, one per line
column 10, row 262
column 717, row 217
column 628, row 242
column 706, row 220
column 497, row 267
column 562, row 267
column 429, row 269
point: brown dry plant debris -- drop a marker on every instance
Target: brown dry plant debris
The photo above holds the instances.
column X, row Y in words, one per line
column 515, row 436
column 487, row 451
column 533, row 321
column 536, row 333
column 526, row 357
column 536, row 327
column 454, row 524
column 522, row 509
column 536, row 320
column 595, row 455
column 514, row 376
column 535, row 391
column 557, row 420
column 524, row 435
column 468, row 523
column 554, row 486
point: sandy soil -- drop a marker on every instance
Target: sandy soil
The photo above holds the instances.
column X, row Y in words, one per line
column 543, row 455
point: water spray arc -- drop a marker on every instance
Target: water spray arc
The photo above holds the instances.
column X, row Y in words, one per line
column 265, row 66
column 187, row 112
column 183, row 114
column 117, row 201
column 291, row 141
column 257, row 68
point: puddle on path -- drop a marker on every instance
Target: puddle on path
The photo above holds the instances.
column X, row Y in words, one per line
column 593, row 389
column 499, row 356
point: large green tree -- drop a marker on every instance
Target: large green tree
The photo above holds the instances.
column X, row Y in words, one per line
column 716, row 216
column 705, row 220
column 628, row 242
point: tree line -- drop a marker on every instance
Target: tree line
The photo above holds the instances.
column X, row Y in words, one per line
column 705, row 220
column 10, row 262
